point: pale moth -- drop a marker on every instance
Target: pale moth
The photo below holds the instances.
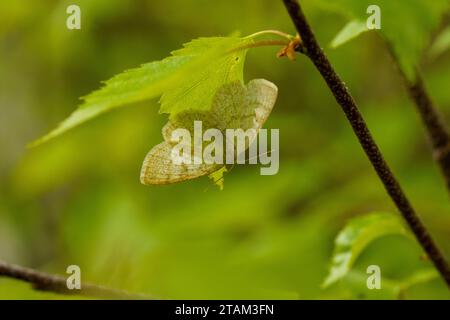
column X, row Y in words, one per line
column 234, row 106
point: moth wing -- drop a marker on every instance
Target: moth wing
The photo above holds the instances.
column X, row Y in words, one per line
column 237, row 106
column 185, row 120
column 258, row 103
column 234, row 106
column 227, row 106
column 158, row 167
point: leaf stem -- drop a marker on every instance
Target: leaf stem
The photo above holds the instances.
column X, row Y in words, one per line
column 261, row 43
column 275, row 32
column 312, row 49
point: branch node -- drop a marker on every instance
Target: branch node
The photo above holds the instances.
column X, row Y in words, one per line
column 295, row 45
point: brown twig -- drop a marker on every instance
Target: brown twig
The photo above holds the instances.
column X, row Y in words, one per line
column 57, row 284
column 311, row 48
column 437, row 131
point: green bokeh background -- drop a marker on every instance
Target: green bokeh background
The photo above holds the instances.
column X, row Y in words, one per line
column 78, row 200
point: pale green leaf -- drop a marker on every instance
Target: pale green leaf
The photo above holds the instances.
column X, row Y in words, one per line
column 188, row 79
column 356, row 236
column 419, row 277
column 356, row 283
column 350, row 31
column 441, row 44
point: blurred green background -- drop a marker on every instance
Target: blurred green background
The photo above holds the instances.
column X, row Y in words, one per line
column 78, row 199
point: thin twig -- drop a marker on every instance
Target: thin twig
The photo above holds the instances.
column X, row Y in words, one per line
column 315, row 53
column 57, row 284
column 435, row 125
column 436, row 129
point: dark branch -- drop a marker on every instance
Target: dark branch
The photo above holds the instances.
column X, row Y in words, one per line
column 57, row 284
column 312, row 49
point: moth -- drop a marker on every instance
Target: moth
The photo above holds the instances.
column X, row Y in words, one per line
column 234, row 106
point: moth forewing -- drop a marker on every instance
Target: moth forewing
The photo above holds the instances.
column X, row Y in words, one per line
column 257, row 105
column 158, row 167
column 262, row 95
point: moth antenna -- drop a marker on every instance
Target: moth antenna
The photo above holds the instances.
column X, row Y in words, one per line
column 260, row 154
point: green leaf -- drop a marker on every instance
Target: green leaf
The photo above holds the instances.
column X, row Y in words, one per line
column 441, row 44
column 419, row 277
column 197, row 90
column 405, row 24
column 187, row 80
column 356, row 236
column 350, row 31
column 356, row 284
column 131, row 86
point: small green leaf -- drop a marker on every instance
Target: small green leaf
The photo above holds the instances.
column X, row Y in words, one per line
column 356, row 236
column 356, row 282
column 350, row 31
column 419, row 277
column 217, row 177
column 441, row 44
column 187, row 80
column 405, row 24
